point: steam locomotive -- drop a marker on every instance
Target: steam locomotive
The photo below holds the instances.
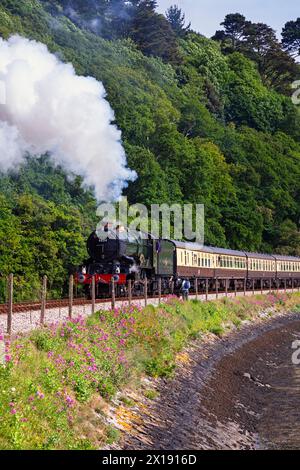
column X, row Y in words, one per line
column 122, row 255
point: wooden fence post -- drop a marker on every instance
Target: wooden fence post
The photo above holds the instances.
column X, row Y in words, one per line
column 93, row 294
column 206, row 290
column 245, row 287
column 226, row 287
column 261, row 286
column 285, row 285
column 43, row 300
column 10, row 292
column 292, row 285
column 253, row 287
column 146, row 291
column 113, row 294
column 159, row 290
column 71, row 295
column 235, row 288
column 217, row 288
column 196, row 288
column 129, row 292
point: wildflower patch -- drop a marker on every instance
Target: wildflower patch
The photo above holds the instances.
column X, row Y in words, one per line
column 58, row 383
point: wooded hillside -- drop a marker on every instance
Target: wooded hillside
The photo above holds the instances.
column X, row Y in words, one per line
column 203, row 121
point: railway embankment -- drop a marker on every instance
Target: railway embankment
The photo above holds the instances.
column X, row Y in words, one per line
column 173, row 376
column 240, row 391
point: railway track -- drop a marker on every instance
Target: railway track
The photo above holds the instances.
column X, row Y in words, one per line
column 35, row 306
column 63, row 303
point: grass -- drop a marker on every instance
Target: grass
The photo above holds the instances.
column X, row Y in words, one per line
column 57, row 383
column 151, row 394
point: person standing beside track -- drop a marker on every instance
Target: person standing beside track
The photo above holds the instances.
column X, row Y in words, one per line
column 185, row 288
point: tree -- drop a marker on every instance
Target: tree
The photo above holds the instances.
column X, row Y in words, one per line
column 259, row 42
column 118, row 18
column 289, row 238
column 176, row 18
column 234, row 26
column 291, row 37
column 153, row 34
column 279, row 70
column 259, row 38
column 276, row 67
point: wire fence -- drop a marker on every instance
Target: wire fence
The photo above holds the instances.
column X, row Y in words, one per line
column 24, row 316
column 18, row 316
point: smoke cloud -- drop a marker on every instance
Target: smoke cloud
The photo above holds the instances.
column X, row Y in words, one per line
column 48, row 108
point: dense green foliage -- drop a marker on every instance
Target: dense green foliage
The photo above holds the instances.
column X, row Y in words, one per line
column 203, row 121
column 45, row 219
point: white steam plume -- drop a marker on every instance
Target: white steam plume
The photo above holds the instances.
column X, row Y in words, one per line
column 48, row 108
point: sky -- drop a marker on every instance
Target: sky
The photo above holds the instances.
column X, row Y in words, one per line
column 206, row 15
